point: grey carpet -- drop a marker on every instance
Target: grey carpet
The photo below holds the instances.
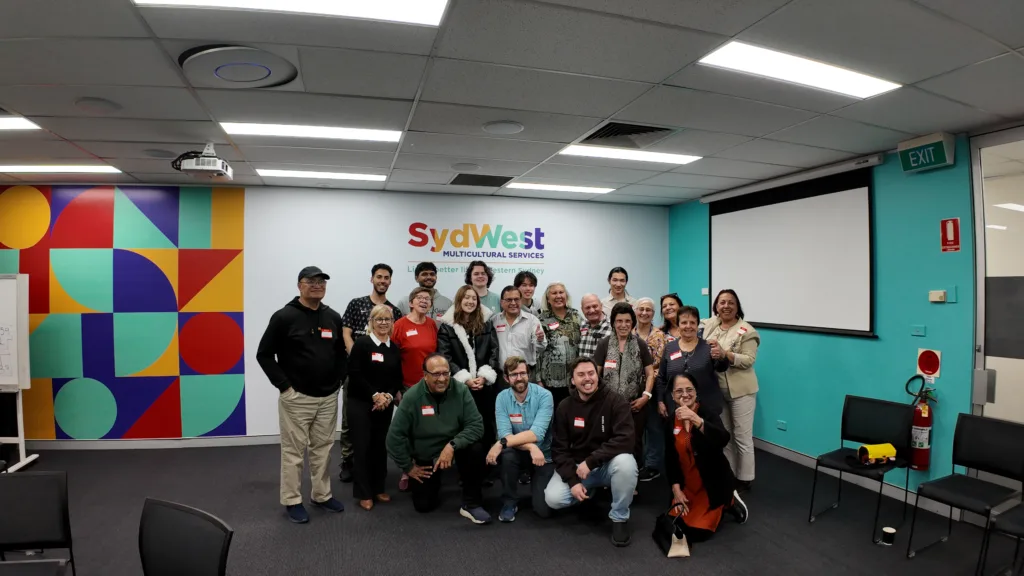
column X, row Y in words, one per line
column 240, row 485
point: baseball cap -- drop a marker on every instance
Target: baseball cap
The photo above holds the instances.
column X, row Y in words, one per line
column 312, row 272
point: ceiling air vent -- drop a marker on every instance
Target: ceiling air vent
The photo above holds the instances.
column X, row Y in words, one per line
column 619, row 135
column 480, row 180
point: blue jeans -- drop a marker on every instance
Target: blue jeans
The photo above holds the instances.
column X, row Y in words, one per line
column 654, row 455
column 619, row 474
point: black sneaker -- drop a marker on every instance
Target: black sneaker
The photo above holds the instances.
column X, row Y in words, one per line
column 620, row 534
column 739, row 509
column 648, row 474
column 297, row 513
column 346, row 471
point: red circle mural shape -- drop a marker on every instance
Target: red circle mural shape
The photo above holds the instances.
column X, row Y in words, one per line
column 928, row 362
column 211, row 343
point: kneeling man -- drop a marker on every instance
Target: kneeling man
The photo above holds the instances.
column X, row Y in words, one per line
column 593, row 447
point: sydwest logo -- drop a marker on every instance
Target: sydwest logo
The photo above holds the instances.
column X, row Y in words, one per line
column 478, row 241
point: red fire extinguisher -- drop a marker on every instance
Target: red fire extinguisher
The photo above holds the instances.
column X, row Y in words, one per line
column 921, row 432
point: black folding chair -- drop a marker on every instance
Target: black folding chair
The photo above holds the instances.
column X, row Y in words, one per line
column 1010, row 522
column 868, row 421
column 175, row 539
column 34, row 513
column 985, row 444
column 34, row 568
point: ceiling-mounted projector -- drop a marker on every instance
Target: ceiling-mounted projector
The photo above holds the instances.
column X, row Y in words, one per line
column 204, row 165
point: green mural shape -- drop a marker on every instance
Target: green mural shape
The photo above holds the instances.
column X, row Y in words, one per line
column 141, row 338
column 87, row 275
column 132, row 228
column 207, row 401
column 195, row 210
column 9, row 261
column 85, row 409
column 55, row 347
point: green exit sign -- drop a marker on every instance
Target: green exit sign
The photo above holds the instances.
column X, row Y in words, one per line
column 927, row 152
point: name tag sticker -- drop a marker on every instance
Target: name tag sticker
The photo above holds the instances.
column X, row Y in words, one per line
column 500, row 328
column 578, row 422
column 553, row 326
column 677, row 430
column 610, row 364
column 326, row 334
column 676, row 356
column 377, row 357
column 427, row 410
column 411, row 333
column 743, row 331
column 515, row 418
column 584, row 331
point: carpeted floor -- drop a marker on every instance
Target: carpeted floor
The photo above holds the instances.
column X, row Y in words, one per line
column 240, row 485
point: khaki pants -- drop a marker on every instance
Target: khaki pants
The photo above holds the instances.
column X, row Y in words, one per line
column 343, row 440
column 738, row 417
column 306, row 422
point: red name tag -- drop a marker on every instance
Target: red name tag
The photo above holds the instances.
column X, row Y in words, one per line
column 584, row 330
column 578, row 423
column 676, row 356
column 377, row 357
column 516, row 418
column 610, row 364
column 743, row 331
column 427, row 410
column 500, row 328
column 411, row 333
column 326, row 334
column 553, row 326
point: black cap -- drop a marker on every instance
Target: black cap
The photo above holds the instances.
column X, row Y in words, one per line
column 312, row 272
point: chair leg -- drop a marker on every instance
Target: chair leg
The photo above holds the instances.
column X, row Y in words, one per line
column 979, row 568
column 839, row 494
column 814, row 488
column 913, row 522
column 812, row 517
column 878, row 507
column 74, row 565
column 906, row 496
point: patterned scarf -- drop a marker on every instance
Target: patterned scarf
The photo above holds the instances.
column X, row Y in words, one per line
column 628, row 376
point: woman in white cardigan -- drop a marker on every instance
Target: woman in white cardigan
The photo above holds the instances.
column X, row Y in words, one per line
column 734, row 345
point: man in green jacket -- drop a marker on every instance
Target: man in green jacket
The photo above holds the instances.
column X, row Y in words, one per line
column 437, row 422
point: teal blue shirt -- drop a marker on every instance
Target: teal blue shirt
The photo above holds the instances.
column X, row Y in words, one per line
column 534, row 414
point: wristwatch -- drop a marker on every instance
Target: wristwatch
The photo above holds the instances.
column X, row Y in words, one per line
column 452, row 444
column 504, row 442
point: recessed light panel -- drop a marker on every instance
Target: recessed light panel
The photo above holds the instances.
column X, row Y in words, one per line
column 1011, row 206
column 995, row 227
column 320, row 175
column 559, row 188
column 55, row 169
column 624, row 154
column 425, row 12
column 325, row 132
column 780, row 66
column 16, row 123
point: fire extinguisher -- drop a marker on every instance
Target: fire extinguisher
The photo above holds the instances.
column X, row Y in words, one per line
column 921, row 431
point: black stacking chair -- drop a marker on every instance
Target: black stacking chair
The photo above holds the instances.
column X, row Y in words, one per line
column 868, row 421
column 1011, row 523
column 34, row 568
column 175, row 539
column 985, row 444
column 34, row 513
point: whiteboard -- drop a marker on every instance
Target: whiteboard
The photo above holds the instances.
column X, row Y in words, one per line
column 14, row 359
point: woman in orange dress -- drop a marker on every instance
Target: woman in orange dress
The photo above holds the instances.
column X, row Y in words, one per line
column 696, row 467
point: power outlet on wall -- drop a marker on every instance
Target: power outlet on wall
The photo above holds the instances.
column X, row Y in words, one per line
column 780, row 424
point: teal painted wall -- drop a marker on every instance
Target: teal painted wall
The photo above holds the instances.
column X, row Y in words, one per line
column 804, row 377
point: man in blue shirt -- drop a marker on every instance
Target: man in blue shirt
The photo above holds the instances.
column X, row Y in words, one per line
column 523, row 414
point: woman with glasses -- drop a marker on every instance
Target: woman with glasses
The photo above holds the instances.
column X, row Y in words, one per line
column 561, row 324
column 702, row 483
column 688, row 354
column 470, row 344
column 670, row 305
column 655, row 340
column 734, row 345
column 375, row 376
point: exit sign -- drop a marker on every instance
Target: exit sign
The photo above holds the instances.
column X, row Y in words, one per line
column 927, row 152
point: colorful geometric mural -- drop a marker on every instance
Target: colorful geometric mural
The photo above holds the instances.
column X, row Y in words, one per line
column 135, row 307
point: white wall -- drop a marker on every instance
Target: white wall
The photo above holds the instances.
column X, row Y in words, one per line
column 347, row 232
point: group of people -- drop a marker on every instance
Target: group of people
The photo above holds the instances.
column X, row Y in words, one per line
column 575, row 403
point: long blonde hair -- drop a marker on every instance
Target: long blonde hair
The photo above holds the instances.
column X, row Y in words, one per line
column 380, row 311
column 473, row 321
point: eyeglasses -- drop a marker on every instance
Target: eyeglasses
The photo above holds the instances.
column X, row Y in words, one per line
column 318, row 283
column 383, row 320
column 444, row 374
column 684, row 392
column 425, row 299
column 510, row 300
column 519, row 375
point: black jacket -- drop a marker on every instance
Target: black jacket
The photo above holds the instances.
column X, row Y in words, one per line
column 485, row 352
column 708, row 451
column 303, row 349
column 372, row 369
column 594, row 431
column 703, row 368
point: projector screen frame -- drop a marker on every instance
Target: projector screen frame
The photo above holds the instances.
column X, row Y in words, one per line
column 851, row 180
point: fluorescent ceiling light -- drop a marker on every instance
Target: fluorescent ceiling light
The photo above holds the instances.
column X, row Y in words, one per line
column 621, row 154
column 1011, row 206
column 557, row 188
column 320, row 175
column 16, row 123
column 328, row 132
column 763, row 62
column 995, row 227
column 426, row 12
column 59, row 170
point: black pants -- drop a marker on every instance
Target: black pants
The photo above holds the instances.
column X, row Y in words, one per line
column 368, row 431
column 513, row 463
column 484, row 400
column 639, row 425
column 426, row 495
column 559, row 394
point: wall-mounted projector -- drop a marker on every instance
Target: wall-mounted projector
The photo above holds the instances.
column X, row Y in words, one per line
column 205, row 165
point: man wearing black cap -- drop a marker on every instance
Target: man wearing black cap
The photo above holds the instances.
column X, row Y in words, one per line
column 303, row 354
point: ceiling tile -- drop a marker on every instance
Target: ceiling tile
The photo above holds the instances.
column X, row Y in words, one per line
column 361, row 73
column 420, row 177
column 556, row 38
column 119, row 129
column 1000, row 19
column 186, row 180
column 135, row 101
column 15, row 149
column 100, row 18
column 727, row 18
column 138, row 149
column 155, row 166
column 545, row 194
column 699, row 181
column 1011, row 150
column 444, row 164
column 43, row 179
column 590, row 182
column 474, row 147
column 439, row 189
column 317, row 156
column 477, row 84
column 6, row 179
column 671, row 192
column 995, row 85
column 469, row 120
column 712, row 79
column 698, row 142
column 917, row 112
column 313, row 183
column 567, row 172
column 840, row 134
column 735, row 169
column 88, row 62
column 907, row 43
column 284, row 28
column 783, row 153
column 616, row 198
column 670, row 106
column 312, row 109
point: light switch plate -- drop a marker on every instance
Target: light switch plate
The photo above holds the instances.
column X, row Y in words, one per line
column 917, row 330
column 704, row 291
column 937, row 296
